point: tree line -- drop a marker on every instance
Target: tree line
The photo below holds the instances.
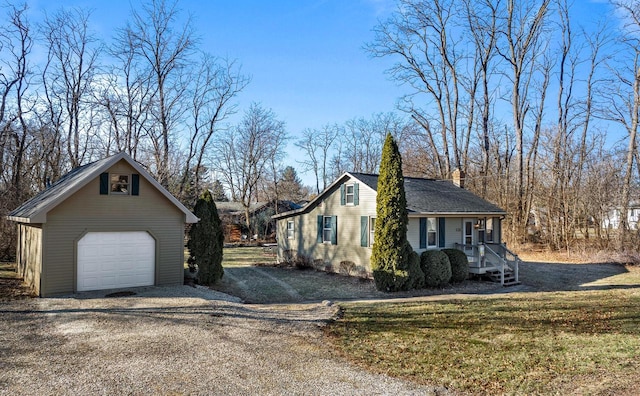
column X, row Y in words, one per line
column 516, row 94
column 519, row 96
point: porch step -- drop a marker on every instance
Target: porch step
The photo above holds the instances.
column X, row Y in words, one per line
column 509, row 277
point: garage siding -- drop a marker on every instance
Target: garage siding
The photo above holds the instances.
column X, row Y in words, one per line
column 88, row 211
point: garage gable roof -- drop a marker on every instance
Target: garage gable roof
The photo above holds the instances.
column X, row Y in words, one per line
column 35, row 210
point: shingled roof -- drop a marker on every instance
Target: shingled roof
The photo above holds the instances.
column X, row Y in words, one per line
column 424, row 196
column 35, row 209
column 431, row 196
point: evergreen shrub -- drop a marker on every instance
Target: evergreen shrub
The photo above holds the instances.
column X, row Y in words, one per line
column 206, row 240
column 436, row 267
column 416, row 276
column 391, row 251
column 459, row 264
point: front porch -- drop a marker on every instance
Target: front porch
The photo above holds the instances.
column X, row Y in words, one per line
column 493, row 260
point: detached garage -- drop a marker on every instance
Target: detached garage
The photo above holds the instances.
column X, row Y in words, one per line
column 104, row 225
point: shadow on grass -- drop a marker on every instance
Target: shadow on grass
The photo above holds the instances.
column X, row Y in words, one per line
column 571, row 277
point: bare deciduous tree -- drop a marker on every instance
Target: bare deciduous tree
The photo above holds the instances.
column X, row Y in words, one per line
column 245, row 153
column 317, row 144
column 69, row 77
column 165, row 49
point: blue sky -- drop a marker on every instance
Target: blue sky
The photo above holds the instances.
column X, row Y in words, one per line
column 305, row 57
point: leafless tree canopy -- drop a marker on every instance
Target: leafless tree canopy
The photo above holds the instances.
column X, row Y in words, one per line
column 87, row 99
column 519, row 95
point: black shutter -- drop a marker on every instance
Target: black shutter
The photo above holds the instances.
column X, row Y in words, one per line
column 104, row 184
column 441, row 232
column 423, row 233
column 135, row 184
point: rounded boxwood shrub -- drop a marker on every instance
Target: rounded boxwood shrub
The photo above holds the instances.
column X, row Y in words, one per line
column 459, row 264
column 436, row 267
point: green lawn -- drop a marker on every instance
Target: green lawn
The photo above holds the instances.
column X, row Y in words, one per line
column 243, row 256
column 558, row 342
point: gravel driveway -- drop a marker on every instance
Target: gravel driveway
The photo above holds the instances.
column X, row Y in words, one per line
column 186, row 340
column 178, row 340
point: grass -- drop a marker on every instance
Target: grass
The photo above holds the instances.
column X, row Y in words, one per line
column 243, row 256
column 557, row 342
column 245, row 279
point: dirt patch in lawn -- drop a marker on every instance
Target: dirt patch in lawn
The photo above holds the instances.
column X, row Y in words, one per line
column 11, row 285
column 263, row 283
column 267, row 284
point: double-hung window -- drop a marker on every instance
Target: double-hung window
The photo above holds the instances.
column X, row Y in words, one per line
column 432, row 232
column 119, row 184
column 326, row 229
column 428, row 232
column 290, row 229
column 349, row 194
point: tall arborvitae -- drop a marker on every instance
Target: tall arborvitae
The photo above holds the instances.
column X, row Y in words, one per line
column 206, row 241
column 390, row 257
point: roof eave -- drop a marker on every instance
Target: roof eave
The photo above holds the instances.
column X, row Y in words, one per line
column 18, row 219
column 40, row 215
column 457, row 214
column 312, row 203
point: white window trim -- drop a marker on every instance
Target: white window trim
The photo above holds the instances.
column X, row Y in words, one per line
column 490, row 231
column 325, row 229
column 435, row 232
column 290, row 230
column 348, row 194
column 372, row 227
column 128, row 184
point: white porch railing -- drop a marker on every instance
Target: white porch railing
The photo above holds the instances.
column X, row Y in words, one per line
column 496, row 258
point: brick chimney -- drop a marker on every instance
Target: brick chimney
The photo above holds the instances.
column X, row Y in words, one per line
column 458, row 178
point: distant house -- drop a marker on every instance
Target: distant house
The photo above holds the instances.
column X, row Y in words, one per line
column 613, row 217
column 338, row 225
column 104, row 225
column 233, row 218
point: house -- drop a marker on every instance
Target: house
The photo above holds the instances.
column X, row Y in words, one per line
column 338, row 225
column 611, row 219
column 232, row 215
column 108, row 224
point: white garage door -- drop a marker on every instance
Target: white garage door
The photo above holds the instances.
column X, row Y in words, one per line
column 109, row 260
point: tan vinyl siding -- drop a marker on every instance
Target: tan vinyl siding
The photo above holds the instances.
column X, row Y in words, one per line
column 413, row 234
column 348, row 216
column 29, row 254
column 88, row 211
column 453, row 231
column 348, row 247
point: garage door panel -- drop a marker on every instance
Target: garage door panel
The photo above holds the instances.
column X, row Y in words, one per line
column 109, row 260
